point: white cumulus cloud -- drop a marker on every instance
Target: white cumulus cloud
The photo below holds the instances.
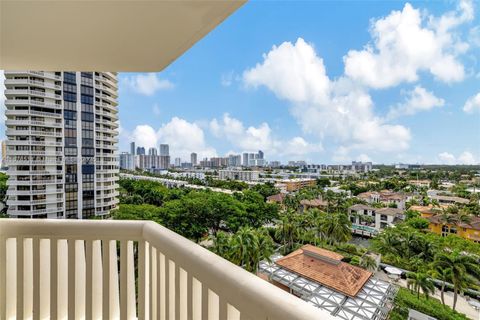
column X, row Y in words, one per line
column 407, row 42
column 417, row 100
column 147, row 84
column 183, row 137
column 465, row 157
column 293, row 72
column 472, row 104
column 339, row 109
column 259, row 138
column 145, row 136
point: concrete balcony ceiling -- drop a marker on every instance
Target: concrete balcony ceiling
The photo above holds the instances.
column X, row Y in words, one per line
column 135, row 35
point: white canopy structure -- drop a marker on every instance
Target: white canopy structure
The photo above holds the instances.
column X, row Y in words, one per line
column 373, row 302
column 127, row 35
column 393, row 271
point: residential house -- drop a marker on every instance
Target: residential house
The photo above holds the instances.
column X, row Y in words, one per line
column 363, row 216
column 449, row 199
column 276, row 198
column 306, row 204
column 469, row 231
column 386, row 197
column 420, row 183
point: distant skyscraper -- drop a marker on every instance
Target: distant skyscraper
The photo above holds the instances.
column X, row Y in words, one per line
column 140, row 151
column 178, row 162
column 274, row 164
column 164, row 162
column 193, row 158
column 260, row 154
column 234, row 160
column 132, row 148
column 245, row 160
column 251, row 159
column 152, row 152
column 127, row 161
column 164, row 150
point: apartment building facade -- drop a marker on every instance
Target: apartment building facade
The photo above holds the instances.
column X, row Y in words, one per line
column 62, row 143
column 242, row 175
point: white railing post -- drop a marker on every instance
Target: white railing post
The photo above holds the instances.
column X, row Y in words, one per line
column 3, row 277
column 141, row 280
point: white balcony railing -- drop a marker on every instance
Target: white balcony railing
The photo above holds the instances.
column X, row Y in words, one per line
column 51, row 269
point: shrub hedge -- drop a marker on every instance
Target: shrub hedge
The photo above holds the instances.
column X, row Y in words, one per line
column 406, row 300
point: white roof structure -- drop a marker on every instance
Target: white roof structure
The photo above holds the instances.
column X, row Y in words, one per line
column 135, row 35
column 373, row 302
column 393, row 271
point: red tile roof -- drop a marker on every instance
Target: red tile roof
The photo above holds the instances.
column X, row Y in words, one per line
column 325, row 267
column 279, row 197
column 314, row 203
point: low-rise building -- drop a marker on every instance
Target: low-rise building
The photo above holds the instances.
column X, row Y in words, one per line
column 306, row 204
column 467, row 230
column 363, row 216
column 276, row 198
column 242, row 175
column 449, row 199
column 386, row 197
column 292, row 185
column 428, row 211
column 420, row 183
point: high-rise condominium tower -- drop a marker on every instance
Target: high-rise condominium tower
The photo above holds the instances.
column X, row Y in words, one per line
column 193, row 158
column 62, row 131
column 164, row 150
column 132, row 148
column 140, row 151
column 152, row 152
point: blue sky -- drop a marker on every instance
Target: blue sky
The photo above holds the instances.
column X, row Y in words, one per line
column 326, row 82
column 322, row 81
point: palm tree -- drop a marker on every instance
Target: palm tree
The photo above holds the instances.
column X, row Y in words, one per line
column 441, row 274
column 447, row 218
column 288, row 231
column 265, row 245
column 368, row 262
column 245, row 248
column 250, row 246
column 335, row 228
column 388, row 243
column 462, row 270
column 410, row 241
column 291, row 203
column 420, row 281
column 221, row 244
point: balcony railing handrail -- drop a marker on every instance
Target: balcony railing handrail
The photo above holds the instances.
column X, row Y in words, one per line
column 229, row 280
column 253, row 297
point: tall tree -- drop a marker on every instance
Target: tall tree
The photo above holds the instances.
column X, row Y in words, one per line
column 463, row 269
column 288, row 231
column 246, row 248
column 443, row 274
column 420, row 281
